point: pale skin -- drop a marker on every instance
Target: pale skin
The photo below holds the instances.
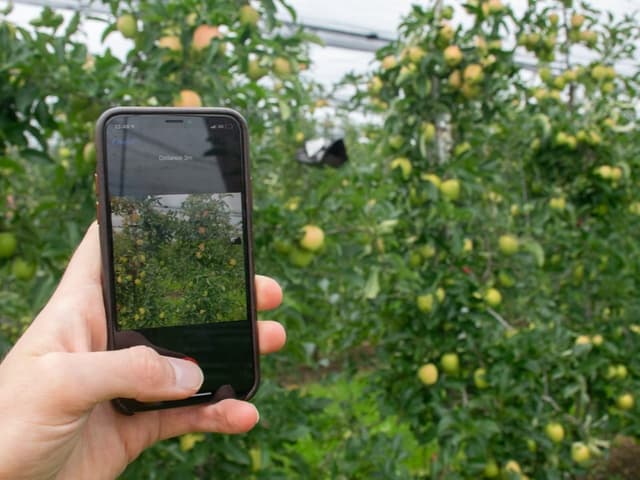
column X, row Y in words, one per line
column 56, row 383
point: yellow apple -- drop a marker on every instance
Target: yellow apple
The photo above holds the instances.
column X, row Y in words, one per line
column 599, row 72
column 375, row 85
column 188, row 98
column 495, row 6
column 583, row 340
column 425, row 302
column 473, row 74
column 616, row 173
column 577, row 20
column 446, row 33
column 170, row 42
column 313, row 238
column 452, row 55
column 428, row 131
column 621, row 371
column 455, row 79
column 512, row 466
column 557, row 203
column 508, row 244
column 281, row 67
column 389, row 62
column 580, row 453
column 450, row 189
column 589, row 36
column 415, row 54
column 428, row 374
column 493, row 297
column 604, row 171
column 625, row 401
column 203, row 35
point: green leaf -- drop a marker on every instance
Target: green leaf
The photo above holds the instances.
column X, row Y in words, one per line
column 535, row 249
column 372, row 287
column 285, row 110
column 73, row 25
column 9, row 164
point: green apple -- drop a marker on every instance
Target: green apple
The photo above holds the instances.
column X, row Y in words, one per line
column 8, row 244
column 508, row 244
column 22, row 269
column 249, row 16
column 300, row 258
column 450, row 363
column 555, row 432
column 491, row 469
column 126, row 25
column 89, row 153
column 480, row 379
column 425, row 302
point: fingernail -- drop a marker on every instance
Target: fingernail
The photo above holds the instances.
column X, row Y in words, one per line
column 257, row 416
column 188, row 374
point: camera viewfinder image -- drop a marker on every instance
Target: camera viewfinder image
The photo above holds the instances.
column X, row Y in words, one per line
column 178, row 260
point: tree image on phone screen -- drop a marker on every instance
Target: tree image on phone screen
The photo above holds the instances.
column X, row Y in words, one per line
column 178, row 260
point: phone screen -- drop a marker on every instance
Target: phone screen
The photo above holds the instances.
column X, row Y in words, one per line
column 180, row 242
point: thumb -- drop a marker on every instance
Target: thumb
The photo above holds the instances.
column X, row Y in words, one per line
column 138, row 373
column 84, row 267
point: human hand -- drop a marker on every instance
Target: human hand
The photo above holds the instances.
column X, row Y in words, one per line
column 56, row 383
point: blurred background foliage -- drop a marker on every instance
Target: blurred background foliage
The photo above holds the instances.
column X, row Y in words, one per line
column 472, row 309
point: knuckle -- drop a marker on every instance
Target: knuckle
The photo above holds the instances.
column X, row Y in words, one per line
column 147, row 368
column 224, row 421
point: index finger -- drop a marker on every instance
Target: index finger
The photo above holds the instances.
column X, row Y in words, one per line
column 268, row 293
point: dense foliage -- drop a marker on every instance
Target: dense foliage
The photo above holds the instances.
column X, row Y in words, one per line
column 472, row 308
column 177, row 264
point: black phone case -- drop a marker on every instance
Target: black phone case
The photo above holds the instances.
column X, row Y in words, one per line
column 129, row 406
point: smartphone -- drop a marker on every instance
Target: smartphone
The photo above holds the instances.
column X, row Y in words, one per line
column 174, row 209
